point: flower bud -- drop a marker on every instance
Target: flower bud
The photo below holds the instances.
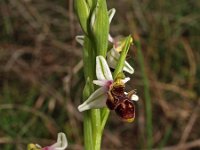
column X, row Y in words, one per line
column 100, row 27
column 83, row 12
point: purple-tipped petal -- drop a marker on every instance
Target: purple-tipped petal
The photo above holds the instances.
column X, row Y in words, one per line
column 61, row 143
column 105, row 83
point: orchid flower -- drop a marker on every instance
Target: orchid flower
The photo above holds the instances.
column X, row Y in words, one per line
column 61, row 144
column 112, row 55
column 112, row 59
column 99, row 98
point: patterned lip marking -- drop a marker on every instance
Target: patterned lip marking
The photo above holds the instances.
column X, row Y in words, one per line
column 121, row 102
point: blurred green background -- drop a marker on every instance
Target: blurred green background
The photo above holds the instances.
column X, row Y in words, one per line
column 41, row 77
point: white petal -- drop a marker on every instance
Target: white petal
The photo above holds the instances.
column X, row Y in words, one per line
column 38, row 146
column 80, row 39
column 100, row 82
column 61, row 143
column 93, row 17
column 96, row 100
column 125, row 79
column 102, row 69
column 134, row 97
column 111, row 13
column 127, row 67
column 110, row 38
column 104, row 83
column 115, row 53
column 112, row 58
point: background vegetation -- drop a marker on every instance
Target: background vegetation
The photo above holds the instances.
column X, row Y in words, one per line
column 41, row 76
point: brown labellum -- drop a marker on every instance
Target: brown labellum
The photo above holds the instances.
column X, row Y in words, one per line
column 126, row 110
column 120, row 102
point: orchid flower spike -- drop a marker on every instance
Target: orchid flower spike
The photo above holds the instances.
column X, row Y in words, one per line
column 102, row 96
column 61, row 144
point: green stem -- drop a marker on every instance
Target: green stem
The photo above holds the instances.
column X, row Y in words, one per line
column 96, row 123
column 95, row 43
column 148, row 107
column 94, row 115
column 87, row 131
column 89, row 72
column 100, row 34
